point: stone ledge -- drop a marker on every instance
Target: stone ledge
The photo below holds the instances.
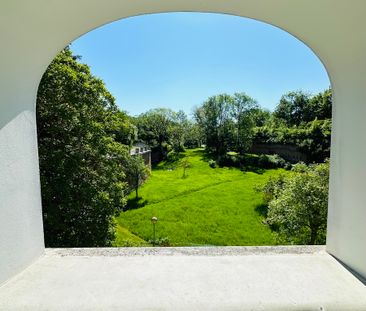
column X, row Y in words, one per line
column 187, row 251
column 222, row 278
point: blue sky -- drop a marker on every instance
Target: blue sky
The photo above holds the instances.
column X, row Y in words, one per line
column 177, row 60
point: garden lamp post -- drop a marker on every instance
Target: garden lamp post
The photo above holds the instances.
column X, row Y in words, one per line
column 154, row 220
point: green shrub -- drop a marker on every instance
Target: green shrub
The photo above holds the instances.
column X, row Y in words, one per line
column 228, row 160
column 297, row 204
column 271, row 161
column 161, row 242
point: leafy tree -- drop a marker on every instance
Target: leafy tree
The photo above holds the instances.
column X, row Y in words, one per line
column 164, row 129
column 226, row 122
column 260, row 116
column 242, row 111
column 185, row 164
column 82, row 178
column 120, row 126
column 214, row 119
column 153, row 127
column 293, row 108
column 298, row 205
column 321, row 105
column 298, row 107
column 193, row 135
column 315, row 141
column 136, row 171
column 178, row 130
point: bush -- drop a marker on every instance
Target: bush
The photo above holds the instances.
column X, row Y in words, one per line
column 271, row 161
column 228, row 160
column 161, row 242
column 297, row 204
column 172, row 156
column 312, row 138
column 250, row 160
column 272, row 188
column 263, row 161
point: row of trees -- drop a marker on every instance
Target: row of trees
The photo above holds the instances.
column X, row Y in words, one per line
column 296, row 108
column 233, row 123
column 302, row 120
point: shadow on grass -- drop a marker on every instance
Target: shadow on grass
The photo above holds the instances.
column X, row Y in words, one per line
column 205, row 156
column 170, row 163
column 253, row 169
column 245, row 167
column 135, row 204
column 262, row 209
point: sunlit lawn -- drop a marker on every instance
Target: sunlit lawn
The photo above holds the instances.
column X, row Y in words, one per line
column 208, row 207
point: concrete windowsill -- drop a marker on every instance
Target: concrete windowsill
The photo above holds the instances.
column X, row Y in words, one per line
column 208, row 278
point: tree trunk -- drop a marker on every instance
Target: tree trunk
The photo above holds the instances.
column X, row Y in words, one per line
column 313, row 235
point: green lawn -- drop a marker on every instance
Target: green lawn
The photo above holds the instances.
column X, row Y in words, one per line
column 208, row 207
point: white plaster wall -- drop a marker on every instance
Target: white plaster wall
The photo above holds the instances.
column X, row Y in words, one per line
column 33, row 31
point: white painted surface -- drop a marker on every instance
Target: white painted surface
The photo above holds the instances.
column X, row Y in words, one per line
column 33, row 31
column 21, row 229
column 160, row 282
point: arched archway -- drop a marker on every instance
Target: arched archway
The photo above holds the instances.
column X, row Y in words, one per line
column 34, row 31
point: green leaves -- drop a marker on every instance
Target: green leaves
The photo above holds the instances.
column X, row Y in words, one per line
column 227, row 122
column 298, row 204
column 82, row 177
column 298, row 107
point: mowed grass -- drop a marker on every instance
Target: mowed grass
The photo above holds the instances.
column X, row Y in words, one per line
column 206, row 207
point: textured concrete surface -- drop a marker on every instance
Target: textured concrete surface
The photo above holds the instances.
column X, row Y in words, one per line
column 233, row 278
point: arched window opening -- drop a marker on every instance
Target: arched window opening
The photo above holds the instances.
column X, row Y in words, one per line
column 205, row 129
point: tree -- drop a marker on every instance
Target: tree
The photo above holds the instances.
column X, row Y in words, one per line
column 153, row 127
column 260, row 116
column 315, row 142
column 298, row 107
column 321, row 105
column 294, row 108
column 178, row 130
column 213, row 116
column 226, row 122
column 185, row 164
column 136, row 171
column 82, row 178
column 298, row 205
column 242, row 112
column 120, row 126
column 193, row 135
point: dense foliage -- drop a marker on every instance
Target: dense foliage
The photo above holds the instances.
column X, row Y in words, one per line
column 297, row 204
column 226, row 122
column 80, row 132
column 165, row 130
column 136, row 172
column 312, row 138
column 301, row 120
column 298, row 107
